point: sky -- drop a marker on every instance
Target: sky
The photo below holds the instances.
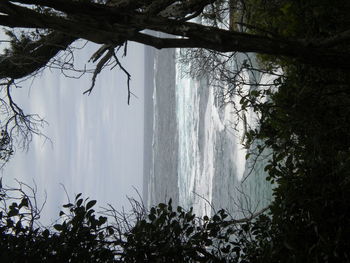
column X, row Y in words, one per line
column 96, row 141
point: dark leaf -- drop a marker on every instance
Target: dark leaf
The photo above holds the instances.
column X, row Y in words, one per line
column 79, row 202
column 90, row 204
column 58, row 227
column 78, row 195
column 46, row 233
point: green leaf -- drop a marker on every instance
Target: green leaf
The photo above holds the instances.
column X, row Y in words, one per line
column 46, row 233
column 189, row 231
column 90, row 204
column 216, row 218
column 151, row 217
column 208, row 242
column 102, row 220
column 254, row 93
column 79, row 202
column 9, row 222
column 226, row 249
column 110, row 230
column 12, row 212
column 162, row 205
column 58, row 227
column 89, row 213
column 24, row 202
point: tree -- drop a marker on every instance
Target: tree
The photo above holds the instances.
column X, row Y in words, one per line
column 48, row 29
column 303, row 117
column 162, row 234
column 64, row 21
column 305, row 123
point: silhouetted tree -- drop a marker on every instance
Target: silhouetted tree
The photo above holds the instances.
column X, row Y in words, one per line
column 162, row 234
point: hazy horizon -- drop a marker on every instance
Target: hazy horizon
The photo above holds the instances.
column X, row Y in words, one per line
column 97, row 140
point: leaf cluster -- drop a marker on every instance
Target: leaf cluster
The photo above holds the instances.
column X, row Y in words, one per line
column 305, row 123
column 80, row 237
column 162, row 234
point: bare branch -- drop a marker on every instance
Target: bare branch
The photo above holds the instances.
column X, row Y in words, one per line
column 126, row 73
column 103, row 61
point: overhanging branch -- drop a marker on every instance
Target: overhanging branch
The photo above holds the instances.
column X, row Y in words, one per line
column 23, row 64
column 118, row 25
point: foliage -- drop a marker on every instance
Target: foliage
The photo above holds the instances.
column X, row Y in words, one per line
column 288, row 18
column 44, row 32
column 179, row 236
column 305, row 122
column 303, row 118
column 80, row 235
column 6, row 149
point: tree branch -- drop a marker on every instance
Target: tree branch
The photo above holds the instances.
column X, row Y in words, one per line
column 37, row 56
column 112, row 26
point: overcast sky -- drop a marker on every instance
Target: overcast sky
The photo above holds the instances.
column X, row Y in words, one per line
column 97, row 140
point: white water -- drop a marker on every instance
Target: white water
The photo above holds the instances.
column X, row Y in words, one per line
column 199, row 149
